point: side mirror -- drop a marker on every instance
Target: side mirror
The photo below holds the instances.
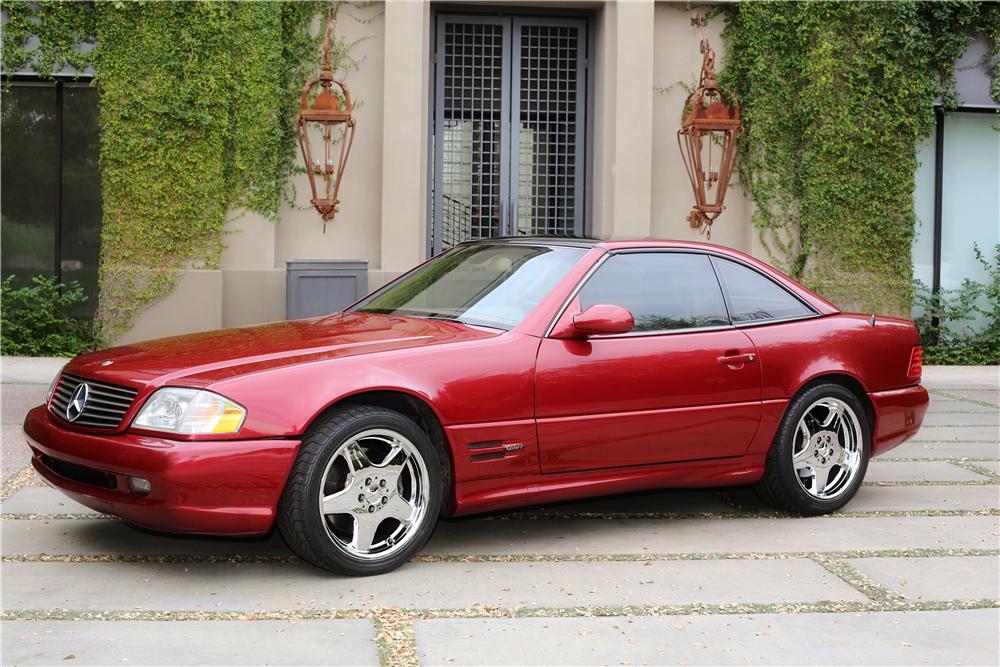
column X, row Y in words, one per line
column 598, row 320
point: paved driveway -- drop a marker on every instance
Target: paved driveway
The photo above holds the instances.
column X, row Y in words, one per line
column 908, row 574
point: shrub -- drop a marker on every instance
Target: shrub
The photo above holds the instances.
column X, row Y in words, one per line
column 36, row 320
column 962, row 326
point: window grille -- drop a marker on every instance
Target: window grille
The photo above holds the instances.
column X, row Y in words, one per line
column 509, row 128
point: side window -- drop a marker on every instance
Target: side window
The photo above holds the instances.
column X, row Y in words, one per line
column 662, row 290
column 754, row 297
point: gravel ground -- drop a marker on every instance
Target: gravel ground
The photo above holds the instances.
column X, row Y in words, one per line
column 906, row 574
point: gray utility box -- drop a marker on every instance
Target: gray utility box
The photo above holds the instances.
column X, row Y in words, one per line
column 315, row 287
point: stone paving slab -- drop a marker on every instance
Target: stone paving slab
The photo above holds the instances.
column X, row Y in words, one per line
column 14, row 450
column 261, row 587
column 910, row 498
column 914, row 471
column 980, row 395
column 43, row 500
column 698, row 535
column 882, row 638
column 938, row 578
column 958, row 434
column 88, row 536
column 966, row 418
column 944, row 450
column 551, row 536
column 37, row 370
column 989, row 465
column 868, row 499
column 314, row 642
column 946, row 404
column 17, row 399
column 963, row 377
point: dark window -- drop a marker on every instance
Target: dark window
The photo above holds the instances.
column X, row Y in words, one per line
column 51, row 198
column 661, row 290
column 754, row 297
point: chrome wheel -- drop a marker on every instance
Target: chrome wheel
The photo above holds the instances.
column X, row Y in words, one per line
column 373, row 495
column 827, row 448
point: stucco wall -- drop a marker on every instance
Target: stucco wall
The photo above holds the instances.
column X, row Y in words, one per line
column 677, row 61
column 642, row 50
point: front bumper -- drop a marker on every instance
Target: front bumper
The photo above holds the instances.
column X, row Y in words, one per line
column 898, row 416
column 227, row 487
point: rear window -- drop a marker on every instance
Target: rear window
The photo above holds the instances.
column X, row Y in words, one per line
column 754, row 297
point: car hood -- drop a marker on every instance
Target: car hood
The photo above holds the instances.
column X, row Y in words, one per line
column 202, row 358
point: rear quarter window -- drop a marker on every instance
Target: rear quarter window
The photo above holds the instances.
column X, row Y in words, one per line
column 754, row 297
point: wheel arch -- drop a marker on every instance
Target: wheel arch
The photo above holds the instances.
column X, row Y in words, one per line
column 410, row 405
column 850, row 383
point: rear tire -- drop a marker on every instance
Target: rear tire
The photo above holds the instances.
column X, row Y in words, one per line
column 364, row 493
column 820, row 453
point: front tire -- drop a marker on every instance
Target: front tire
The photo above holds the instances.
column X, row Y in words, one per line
column 364, row 493
column 820, row 454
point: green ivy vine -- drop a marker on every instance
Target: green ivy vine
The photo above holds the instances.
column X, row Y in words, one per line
column 197, row 104
column 836, row 97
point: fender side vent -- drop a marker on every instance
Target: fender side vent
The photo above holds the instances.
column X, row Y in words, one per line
column 494, row 450
column 488, row 456
column 487, row 444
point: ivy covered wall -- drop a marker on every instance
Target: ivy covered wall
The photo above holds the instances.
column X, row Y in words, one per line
column 836, row 96
column 197, row 103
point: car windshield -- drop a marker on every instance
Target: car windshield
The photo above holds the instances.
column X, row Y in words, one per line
column 490, row 285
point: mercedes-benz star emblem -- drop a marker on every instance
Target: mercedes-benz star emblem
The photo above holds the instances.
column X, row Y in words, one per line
column 77, row 402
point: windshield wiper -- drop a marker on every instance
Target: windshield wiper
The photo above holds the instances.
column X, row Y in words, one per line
column 438, row 316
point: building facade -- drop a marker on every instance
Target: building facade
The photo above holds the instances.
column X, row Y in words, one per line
column 474, row 120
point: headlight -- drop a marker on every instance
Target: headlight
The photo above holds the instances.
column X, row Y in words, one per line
column 52, row 386
column 190, row 411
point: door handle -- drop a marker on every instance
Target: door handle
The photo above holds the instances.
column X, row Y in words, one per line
column 737, row 359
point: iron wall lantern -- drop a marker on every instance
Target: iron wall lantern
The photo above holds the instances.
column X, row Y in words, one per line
column 708, row 139
column 325, row 115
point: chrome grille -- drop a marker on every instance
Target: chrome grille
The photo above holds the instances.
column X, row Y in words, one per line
column 105, row 407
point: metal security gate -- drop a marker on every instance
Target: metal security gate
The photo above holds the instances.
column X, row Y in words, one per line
column 509, row 128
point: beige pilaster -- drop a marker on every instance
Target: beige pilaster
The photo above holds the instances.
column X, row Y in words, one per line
column 404, row 135
column 631, row 178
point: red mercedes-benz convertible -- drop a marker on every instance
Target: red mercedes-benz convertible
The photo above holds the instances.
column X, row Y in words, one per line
column 501, row 373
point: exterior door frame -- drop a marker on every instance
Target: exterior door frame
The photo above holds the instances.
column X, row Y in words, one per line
column 585, row 133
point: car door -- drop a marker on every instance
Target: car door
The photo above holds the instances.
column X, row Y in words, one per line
column 683, row 385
